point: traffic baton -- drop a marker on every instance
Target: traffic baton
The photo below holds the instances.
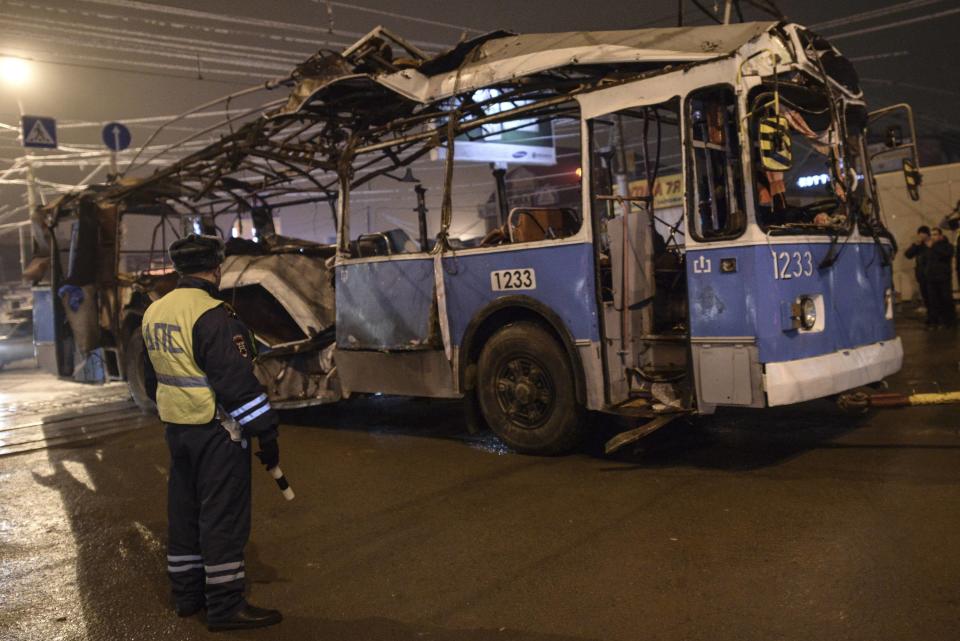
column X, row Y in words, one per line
column 281, row 480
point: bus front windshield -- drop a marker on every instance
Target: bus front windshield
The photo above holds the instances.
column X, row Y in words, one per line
column 810, row 195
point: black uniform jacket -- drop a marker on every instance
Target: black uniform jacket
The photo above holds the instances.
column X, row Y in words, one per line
column 223, row 349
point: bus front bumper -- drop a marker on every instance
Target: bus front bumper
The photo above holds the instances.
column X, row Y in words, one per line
column 819, row 376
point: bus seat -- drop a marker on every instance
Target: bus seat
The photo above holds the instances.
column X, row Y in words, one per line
column 373, row 245
column 529, row 224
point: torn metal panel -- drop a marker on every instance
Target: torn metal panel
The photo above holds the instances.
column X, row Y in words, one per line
column 299, row 380
column 390, row 303
column 302, row 285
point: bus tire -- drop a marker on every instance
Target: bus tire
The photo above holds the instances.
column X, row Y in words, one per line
column 133, row 357
column 526, row 391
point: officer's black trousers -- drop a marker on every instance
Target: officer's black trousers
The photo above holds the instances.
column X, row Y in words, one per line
column 208, row 507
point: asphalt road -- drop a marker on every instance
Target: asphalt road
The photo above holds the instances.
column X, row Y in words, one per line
column 799, row 523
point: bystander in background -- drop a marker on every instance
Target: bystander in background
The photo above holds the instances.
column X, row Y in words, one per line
column 939, row 278
column 918, row 253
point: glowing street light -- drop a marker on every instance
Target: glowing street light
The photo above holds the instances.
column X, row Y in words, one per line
column 14, row 71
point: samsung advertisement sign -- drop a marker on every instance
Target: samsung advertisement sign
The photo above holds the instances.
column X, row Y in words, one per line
column 524, row 141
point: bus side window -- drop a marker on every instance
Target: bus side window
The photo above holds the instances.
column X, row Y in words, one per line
column 715, row 180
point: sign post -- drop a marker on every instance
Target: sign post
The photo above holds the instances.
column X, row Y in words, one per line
column 36, row 132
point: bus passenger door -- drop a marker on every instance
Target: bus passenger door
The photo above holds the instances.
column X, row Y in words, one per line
column 637, row 207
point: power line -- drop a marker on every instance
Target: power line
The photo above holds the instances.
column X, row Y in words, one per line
column 876, row 13
column 146, row 119
column 399, row 16
column 879, row 56
column 107, row 67
column 910, row 85
column 243, row 20
column 179, row 25
column 21, row 20
column 899, row 23
column 91, row 44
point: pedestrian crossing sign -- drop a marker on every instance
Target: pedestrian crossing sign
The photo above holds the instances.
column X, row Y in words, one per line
column 39, row 132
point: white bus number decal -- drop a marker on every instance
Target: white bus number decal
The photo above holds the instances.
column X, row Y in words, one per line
column 513, row 279
column 787, row 265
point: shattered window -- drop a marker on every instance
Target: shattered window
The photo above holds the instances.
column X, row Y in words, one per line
column 518, row 180
column 385, row 211
column 715, row 180
column 811, row 196
column 514, row 180
column 632, row 149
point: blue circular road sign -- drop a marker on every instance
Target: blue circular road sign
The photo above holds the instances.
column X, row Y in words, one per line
column 116, row 136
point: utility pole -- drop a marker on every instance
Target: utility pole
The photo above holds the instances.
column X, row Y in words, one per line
column 726, row 11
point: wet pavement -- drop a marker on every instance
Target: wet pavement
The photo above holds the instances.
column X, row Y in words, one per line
column 799, row 523
column 38, row 411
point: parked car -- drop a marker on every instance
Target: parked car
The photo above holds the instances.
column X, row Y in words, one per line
column 16, row 342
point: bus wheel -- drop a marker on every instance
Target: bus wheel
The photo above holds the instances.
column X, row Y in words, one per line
column 526, row 391
column 133, row 357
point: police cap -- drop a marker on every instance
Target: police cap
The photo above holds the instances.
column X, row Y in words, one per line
column 196, row 253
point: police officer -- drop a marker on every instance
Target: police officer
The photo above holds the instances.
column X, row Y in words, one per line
column 199, row 369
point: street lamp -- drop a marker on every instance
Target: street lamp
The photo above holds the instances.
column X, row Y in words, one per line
column 14, row 71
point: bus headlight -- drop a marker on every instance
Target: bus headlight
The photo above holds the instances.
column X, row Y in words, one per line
column 808, row 313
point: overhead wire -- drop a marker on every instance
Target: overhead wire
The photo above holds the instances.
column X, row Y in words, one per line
column 144, row 120
column 875, row 13
column 898, row 23
column 238, row 57
column 146, row 39
column 31, row 56
column 879, row 56
column 132, row 34
column 148, row 51
column 399, row 16
column 707, row 12
column 233, row 19
column 911, row 85
column 170, row 25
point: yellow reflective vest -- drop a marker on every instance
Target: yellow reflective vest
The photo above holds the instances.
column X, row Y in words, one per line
column 183, row 393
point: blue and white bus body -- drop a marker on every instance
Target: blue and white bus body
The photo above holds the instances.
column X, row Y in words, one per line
column 414, row 323
column 745, row 346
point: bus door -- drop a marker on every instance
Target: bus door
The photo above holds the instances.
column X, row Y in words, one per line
column 637, row 206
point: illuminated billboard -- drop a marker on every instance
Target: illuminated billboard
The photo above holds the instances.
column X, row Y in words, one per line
column 524, row 141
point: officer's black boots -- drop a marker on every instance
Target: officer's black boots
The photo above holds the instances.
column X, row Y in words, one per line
column 249, row 616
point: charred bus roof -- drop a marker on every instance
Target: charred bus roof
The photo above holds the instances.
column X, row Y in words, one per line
column 501, row 57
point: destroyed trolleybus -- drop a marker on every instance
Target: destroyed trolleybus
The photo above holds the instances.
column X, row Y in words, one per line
column 656, row 222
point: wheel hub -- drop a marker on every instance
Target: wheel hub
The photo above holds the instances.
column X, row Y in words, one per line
column 525, row 392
